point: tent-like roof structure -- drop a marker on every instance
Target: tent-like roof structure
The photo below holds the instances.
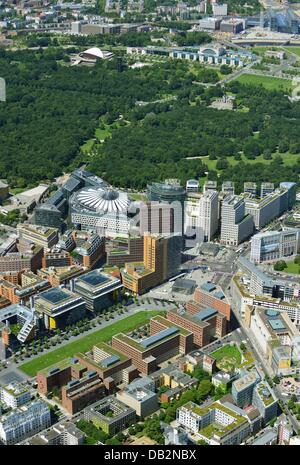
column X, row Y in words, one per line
column 95, row 53
column 103, row 201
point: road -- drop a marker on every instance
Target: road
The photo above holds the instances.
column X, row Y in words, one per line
column 13, row 370
column 263, row 365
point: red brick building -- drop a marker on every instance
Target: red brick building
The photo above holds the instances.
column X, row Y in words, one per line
column 80, row 393
column 208, row 296
column 147, row 354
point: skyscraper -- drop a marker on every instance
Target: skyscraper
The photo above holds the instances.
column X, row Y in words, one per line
column 235, row 226
column 208, row 215
column 161, row 259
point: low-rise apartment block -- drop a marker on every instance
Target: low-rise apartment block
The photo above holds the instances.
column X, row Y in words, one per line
column 14, row 395
column 111, row 415
column 216, row 424
column 62, row 434
column 24, row 422
column 141, row 396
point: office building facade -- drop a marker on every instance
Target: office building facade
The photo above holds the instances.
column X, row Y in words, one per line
column 236, row 226
column 274, row 245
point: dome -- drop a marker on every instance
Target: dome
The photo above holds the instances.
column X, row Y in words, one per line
column 103, row 201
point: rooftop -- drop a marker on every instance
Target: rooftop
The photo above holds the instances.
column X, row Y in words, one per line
column 59, row 366
column 96, row 279
column 55, row 295
column 245, row 381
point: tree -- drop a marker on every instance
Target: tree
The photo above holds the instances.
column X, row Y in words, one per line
column 222, row 164
column 280, row 265
column 243, row 347
column 204, row 388
column 225, row 69
column 267, row 155
column 113, row 442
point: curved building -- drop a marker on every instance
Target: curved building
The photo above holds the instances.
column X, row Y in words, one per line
column 102, row 210
column 170, row 192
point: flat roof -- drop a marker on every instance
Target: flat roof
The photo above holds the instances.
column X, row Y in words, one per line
column 277, row 324
column 110, row 361
column 206, row 313
column 265, row 438
column 219, row 295
column 159, row 336
column 61, row 365
column 209, row 287
column 95, row 278
column 55, row 295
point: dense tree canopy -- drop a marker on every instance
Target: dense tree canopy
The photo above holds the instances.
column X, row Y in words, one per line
column 53, row 108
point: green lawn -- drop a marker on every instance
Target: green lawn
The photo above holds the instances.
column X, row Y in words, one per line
column 102, row 134
column 227, row 357
column 292, row 268
column 288, row 160
column 135, row 196
column 295, row 50
column 87, row 342
column 87, row 146
column 270, row 83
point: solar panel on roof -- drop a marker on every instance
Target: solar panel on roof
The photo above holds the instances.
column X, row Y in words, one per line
column 159, row 336
column 53, row 370
column 110, row 360
column 206, row 313
column 73, row 382
column 209, row 287
column 219, row 295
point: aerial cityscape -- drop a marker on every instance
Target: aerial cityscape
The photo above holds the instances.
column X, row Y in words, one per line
column 149, row 224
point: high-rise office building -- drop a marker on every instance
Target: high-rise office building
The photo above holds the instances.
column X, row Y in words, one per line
column 47, row 215
column 228, row 187
column 235, row 225
column 271, row 206
column 210, row 186
column 250, row 188
column 192, row 185
column 169, row 192
column 201, row 216
column 274, row 245
column 160, row 218
column 208, row 215
column 266, row 188
column 161, row 259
